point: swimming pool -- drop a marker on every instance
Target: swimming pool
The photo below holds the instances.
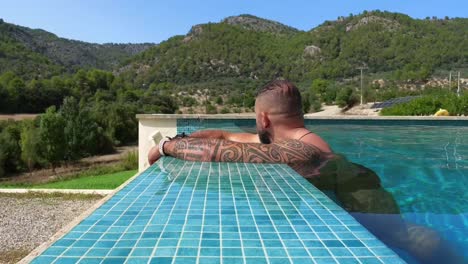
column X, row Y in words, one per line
column 425, row 168
column 422, row 163
column 165, row 216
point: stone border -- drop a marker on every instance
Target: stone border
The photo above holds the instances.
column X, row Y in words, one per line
column 64, row 191
column 341, row 117
column 64, row 230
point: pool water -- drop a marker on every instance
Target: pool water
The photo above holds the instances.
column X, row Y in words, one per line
column 425, row 168
column 422, row 164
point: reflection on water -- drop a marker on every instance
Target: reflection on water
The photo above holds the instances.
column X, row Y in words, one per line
column 358, row 190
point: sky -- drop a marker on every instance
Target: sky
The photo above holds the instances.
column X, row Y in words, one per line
column 137, row 21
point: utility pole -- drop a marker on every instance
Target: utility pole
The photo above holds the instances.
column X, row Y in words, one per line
column 458, row 87
column 450, row 80
column 361, row 68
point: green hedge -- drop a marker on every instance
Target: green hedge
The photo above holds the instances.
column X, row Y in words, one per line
column 429, row 104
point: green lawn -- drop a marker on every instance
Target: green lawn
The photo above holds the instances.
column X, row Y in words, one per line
column 104, row 181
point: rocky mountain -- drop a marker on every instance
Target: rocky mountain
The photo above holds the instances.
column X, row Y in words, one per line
column 248, row 47
column 254, row 23
column 23, row 49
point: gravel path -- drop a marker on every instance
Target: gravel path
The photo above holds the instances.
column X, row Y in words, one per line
column 28, row 220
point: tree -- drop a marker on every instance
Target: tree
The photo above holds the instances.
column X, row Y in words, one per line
column 82, row 134
column 30, row 144
column 10, row 150
column 346, row 97
column 52, row 136
column 319, row 87
column 315, row 104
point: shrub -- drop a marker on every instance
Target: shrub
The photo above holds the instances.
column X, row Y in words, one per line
column 429, row 104
column 130, row 160
column 346, row 97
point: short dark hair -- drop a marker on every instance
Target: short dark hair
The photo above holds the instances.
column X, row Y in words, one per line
column 292, row 98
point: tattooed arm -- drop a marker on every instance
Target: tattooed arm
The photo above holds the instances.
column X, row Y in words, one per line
column 221, row 134
column 204, row 149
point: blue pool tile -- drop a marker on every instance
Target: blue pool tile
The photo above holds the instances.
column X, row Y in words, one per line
column 232, row 252
column 165, row 251
column 232, row 260
column 353, row 243
column 168, row 242
column 137, row 260
column 142, row 252
column 113, row 260
column 340, row 252
column 120, row 252
column 64, row 242
column 75, row 252
column 185, row 260
column 189, row 242
column 332, row 243
column 277, row 252
column 43, row 260
column 98, row 252
column 161, row 260
column 210, row 243
column 254, row 252
column 65, row 260
column 255, row 260
column 54, row 251
column 279, row 260
column 382, row 251
column 361, row 252
column 302, row 261
column 253, row 243
column 345, row 260
column 187, row 251
column 318, row 252
column 297, row 252
column 210, row 252
column 91, row 260
column 325, row 260
column 370, row 261
column 252, row 213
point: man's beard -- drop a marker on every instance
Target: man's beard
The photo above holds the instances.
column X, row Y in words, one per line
column 264, row 137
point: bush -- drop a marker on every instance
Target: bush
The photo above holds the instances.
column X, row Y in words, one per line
column 429, row 104
column 346, row 97
column 10, row 150
column 130, row 160
column 314, row 102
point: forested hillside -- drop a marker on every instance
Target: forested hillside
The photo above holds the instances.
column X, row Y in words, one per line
column 35, row 53
column 384, row 42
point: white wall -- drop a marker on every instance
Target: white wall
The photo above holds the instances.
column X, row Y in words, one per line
column 147, row 127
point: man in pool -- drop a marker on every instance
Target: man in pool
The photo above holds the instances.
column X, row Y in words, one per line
column 283, row 138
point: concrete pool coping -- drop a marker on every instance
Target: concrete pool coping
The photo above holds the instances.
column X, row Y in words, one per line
column 153, row 127
column 66, row 229
column 341, row 117
column 64, row 191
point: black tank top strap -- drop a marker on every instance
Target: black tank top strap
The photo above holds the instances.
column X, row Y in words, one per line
column 305, row 135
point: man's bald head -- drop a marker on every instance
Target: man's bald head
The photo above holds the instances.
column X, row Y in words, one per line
column 279, row 97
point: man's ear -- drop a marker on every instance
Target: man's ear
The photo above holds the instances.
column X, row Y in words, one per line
column 265, row 120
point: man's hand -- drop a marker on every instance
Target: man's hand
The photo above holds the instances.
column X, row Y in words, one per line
column 153, row 155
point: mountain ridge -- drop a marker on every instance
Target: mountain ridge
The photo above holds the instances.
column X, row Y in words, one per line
column 64, row 54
